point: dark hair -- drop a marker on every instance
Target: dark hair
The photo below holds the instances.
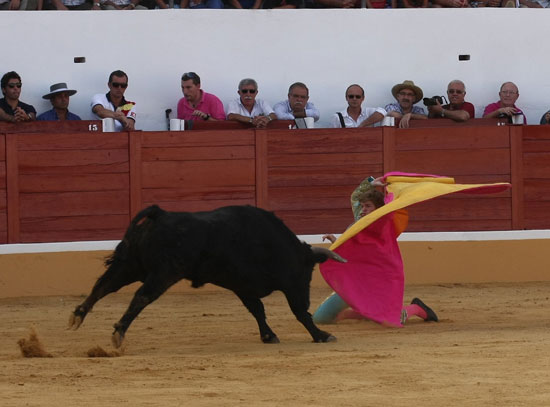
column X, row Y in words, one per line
column 298, row 85
column 373, row 195
column 362, row 90
column 117, row 73
column 7, row 77
column 191, row 76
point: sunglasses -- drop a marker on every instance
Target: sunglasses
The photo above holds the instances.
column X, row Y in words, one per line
column 354, row 96
column 251, row 91
column 453, row 91
column 119, row 85
column 13, row 85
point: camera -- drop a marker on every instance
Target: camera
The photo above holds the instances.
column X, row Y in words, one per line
column 433, row 100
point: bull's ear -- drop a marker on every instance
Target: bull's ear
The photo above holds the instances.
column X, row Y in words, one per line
column 325, row 253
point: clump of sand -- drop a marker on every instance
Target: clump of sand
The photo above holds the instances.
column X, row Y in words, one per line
column 32, row 347
column 99, row 352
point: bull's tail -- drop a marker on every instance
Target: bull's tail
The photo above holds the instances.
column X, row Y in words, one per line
column 151, row 212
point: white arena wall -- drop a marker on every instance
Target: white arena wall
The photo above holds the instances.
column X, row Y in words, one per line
column 326, row 49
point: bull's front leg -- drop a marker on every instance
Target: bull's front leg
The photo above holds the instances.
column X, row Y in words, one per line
column 299, row 304
column 256, row 308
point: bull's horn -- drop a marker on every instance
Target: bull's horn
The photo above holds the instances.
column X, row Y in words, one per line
column 329, row 253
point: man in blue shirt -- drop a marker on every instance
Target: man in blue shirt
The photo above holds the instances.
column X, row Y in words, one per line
column 59, row 97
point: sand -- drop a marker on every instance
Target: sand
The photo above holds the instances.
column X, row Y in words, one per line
column 490, row 348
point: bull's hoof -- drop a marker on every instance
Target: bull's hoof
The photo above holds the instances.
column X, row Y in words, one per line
column 270, row 339
column 76, row 318
column 327, row 338
column 117, row 339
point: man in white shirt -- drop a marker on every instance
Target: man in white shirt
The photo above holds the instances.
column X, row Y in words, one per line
column 356, row 115
column 114, row 105
column 297, row 105
column 247, row 109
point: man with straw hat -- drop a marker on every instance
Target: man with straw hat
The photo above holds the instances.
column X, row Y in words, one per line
column 59, row 97
column 406, row 94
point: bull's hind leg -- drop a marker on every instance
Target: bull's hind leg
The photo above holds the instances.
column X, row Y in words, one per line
column 299, row 304
column 145, row 295
column 256, row 308
column 111, row 281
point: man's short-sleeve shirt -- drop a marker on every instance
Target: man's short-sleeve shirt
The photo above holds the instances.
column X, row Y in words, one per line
column 126, row 107
column 261, row 107
column 209, row 104
column 51, row 115
column 7, row 108
column 395, row 107
column 366, row 112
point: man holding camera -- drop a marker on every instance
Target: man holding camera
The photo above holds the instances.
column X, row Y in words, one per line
column 407, row 94
column 457, row 109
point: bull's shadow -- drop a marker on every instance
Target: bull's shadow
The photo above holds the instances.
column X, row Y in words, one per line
column 242, row 248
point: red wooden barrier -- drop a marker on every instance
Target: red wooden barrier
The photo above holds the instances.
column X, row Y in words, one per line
column 86, row 186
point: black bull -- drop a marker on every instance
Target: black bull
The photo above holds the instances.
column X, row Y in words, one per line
column 242, row 248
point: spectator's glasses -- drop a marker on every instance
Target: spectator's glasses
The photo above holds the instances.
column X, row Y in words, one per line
column 455, row 91
column 508, row 92
column 13, row 85
column 251, row 91
column 119, row 85
column 354, row 96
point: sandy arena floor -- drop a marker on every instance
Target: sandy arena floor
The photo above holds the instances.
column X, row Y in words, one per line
column 491, row 348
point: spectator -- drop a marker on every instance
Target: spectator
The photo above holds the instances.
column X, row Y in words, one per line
column 59, row 97
column 457, row 109
column 505, row 107
column 355, row 115
column 545, row 119
column 414, row 4
column 11, row 108
column 119, row 5
column 114, row 105
column 450, row 3
column 250, row 4
column 72, row 5
column 407, row 94
column 19, row 5
column 280, row 4
column 297, row 105
column 248, row 109
column 202, row 4
column 197, row 104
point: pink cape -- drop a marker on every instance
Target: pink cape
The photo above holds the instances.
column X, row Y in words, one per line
column 372, row 281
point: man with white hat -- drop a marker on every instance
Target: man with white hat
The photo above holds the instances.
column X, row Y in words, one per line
column 407, row 94
column 59, row 97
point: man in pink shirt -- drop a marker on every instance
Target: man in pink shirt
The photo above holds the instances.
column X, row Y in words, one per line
column 196, row 104
column 505, row 107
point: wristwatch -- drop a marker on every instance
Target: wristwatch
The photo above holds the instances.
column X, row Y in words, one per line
column 207, row 117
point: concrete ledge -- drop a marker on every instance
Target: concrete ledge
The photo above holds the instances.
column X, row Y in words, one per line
column 430, row 258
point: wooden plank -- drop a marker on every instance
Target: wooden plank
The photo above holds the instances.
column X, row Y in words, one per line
column 325, row 141
column 457, row 162
column 83, row 161
column 316, row 221
column 197, row 206
column 198, row 139
column 536, row 214
column 72, row 182
column 323, row 159
column 199, row 193
column 135, row 176
column 72, row 141
column 516, row 164
column 389, row 149
column 2, row 147
column 46, row 236
column 208, row 173
column 198, row 153
column 536, row 165
column 458, row 225
column 536, row 189
column 75, row 203
column 12, row 188
column 446, row 208
column 88, row 223
column 311, row 197
column 261, row 175
column 457, row 138
column 3, row 177
column 306, row 176
column 541, row 133
column 89, row 127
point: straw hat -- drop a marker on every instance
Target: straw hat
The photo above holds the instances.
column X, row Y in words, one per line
column 408, row 85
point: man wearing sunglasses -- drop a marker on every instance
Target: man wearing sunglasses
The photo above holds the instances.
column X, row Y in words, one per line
column 297, row 105
column 506, row 106
column 114, row 105
column 457, row 109
column 197, row 104
column 406, row 94
column 249, row 110
column 356, row 115
column 11, row 108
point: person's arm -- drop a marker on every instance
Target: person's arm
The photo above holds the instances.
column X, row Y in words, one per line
column 437, row 110
column 373, row 118
column 239, row 118
column 58, row 4
column 530, row 4
column 5, row 117
column 161, row 4
column 312, row 111
column 508, row 111
column 282, row 112
column 235, row 4
column 132, row 5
